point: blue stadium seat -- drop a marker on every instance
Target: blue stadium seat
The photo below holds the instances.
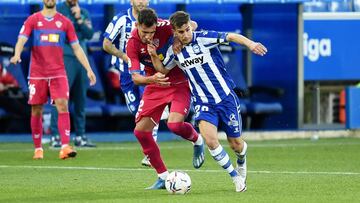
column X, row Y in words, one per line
column 356, row 5
column 256, row 103
column 96, row 94
column 96, row 107
column 341, row 6
column 315, row 7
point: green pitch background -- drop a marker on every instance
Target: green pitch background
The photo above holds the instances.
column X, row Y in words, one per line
column 327, row 170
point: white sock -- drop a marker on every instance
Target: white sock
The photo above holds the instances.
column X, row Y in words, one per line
column 64, row 145
column 163, row 175
column 199, row 141
column 243, row 152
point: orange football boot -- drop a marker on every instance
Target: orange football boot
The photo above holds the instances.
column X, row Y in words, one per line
column 38, row 154
column 67, row 152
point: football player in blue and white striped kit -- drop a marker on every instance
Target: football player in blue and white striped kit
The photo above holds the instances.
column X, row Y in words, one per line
column 115, row 40
column 216, row 104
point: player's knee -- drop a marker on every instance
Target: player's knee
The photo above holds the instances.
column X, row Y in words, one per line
column 235, row 144
column 36, row 110
column 61, row 105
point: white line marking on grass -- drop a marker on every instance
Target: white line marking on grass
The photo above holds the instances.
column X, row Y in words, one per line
column 188, row 170
column 187, row 145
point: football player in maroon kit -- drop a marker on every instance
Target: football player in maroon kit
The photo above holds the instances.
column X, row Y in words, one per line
column 161, row 90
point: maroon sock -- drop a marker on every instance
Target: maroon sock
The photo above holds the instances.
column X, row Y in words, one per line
column 64, row 127
column 151, row 149
column 36, row 130
column 185, row 130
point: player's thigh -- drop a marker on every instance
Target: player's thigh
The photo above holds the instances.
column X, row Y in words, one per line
column 150, row 108
column 180, row 103
column 38, row 91
column 59, row 88
column 229, row 117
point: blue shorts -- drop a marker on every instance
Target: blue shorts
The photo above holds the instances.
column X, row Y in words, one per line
column 132, row 92
column 225, row 115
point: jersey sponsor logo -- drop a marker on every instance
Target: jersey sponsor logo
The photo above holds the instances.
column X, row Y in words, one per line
column 193, row 61
column 128, row 25
column 142, row 50
column 40, row 24
column 54, row 38
column 58, row 24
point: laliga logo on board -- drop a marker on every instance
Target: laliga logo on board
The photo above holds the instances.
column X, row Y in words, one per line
column 315, row 48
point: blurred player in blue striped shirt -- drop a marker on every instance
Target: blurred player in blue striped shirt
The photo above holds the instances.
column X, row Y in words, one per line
column 216, row 104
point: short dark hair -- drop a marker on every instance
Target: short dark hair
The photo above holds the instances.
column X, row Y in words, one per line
column 147, row 17
column 179, row 18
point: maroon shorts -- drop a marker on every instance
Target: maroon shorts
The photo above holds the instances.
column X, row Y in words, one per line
column 39, row 90
column 155, row 99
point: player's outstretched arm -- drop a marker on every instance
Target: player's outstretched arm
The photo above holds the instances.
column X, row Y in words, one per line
column 80, row 55
column 255, row 47
column 111, row 49
column 156, row 60
column 18, row 49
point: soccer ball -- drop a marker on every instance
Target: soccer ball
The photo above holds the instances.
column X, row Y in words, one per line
column 178, row 182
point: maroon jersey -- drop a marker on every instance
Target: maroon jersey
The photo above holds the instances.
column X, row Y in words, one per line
column 48, row 38
column 137, row 52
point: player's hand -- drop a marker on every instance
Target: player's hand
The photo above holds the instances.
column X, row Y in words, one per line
column 15, row 59
column 177, row 46
column 258, row 48
column 91, row 77
column 160, row 79
column 76, row 11
column 151, row 50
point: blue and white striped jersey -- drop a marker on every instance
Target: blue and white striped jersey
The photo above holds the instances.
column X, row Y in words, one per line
column 204, row 66
column 119, row 30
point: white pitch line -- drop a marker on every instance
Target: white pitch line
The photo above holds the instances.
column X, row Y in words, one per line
column 187, row 170
column 182, row 146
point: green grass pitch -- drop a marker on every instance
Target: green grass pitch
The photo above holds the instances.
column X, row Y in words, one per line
column 327, row 170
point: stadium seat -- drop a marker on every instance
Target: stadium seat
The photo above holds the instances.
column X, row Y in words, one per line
column 315, row 7
column 356, row 5
column 341, row 6
column 6, row 52
column 96, row 94
column 256, row 102
column 97, row 104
